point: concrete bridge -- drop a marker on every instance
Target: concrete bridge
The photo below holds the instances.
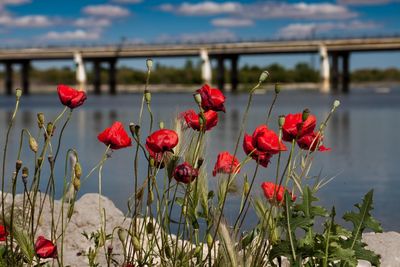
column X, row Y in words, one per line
column 334, row 72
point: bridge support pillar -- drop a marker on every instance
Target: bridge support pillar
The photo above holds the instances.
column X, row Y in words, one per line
column 221, row 73
column 25, row 69
column 112, row 76
column 345, row 72
column 234, row 73
column 8, row 78
column 96, row 77
column 335, row 72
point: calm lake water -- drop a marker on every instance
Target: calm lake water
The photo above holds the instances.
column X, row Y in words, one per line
column 363, row 135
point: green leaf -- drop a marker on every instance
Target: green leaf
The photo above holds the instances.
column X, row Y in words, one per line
column 307, row 208
column 362, row 220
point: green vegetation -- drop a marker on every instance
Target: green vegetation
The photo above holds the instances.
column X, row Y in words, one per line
column 190, row 73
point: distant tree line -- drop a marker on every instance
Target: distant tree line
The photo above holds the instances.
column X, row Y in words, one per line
column 190, row 73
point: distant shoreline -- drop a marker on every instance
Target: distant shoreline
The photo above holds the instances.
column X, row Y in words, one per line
column 184, row 88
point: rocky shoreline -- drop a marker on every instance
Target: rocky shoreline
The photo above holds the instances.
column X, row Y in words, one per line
column 86, row 219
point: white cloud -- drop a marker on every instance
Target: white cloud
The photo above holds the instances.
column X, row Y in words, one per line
column 302, row 30
column 92, row 22
column 365, row 2
column 30, row 21
column 201, row 37
column 263, row 10
column 204, row 8
column 72, row 35
column 110, row 11
column 14, row 2
column 232, row 22
column 127, row 1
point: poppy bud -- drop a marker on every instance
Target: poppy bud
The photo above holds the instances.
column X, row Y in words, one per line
column 136, row 243
column 18, row 165
column 277, row 88
column 264, row 75
column 209, row 240
column 121, row 235
column 18, row 93
column 147, row 96
column 305, row 115
column 200, row 162
column 50, row 129
column 40, row 120
column 25, row 171
column 336, row 103
column 161, row 125
column 152, row 162
column 78, row 170
column 281, row 121
column 149, row 64
column 150, row 228
column 76, row 183
column 132, row 128
column 33, row 144
column 197, row 98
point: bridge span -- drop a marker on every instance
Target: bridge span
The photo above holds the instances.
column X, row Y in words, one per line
column 332, row 51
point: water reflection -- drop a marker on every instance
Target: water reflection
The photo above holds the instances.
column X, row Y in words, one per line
column 362, row 135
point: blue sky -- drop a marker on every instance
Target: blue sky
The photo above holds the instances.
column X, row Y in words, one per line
column 42, row 22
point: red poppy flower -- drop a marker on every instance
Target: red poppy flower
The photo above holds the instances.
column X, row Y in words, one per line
column 44, row 248
column 311, row 141
column 226, row 163
column 211, row 98
column 3, row 233
column 70, row 97
column 261, row 157
column 115, row 136
column 266, row 140
column 192, row 119
column 271, row 190
column 295, row 128
column 162, row 140
column 185, row 173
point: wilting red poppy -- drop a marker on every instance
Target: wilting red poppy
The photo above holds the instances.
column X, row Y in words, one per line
column 266, row 140
column 311, row 141
column 162, row 140
column 115, row 136
column 226, row 163
column 294, row 127
column 70, row 97
column 270, row 190
column 261, row 157
column 185, row 173
column 192, row 119
column 44, row 248
column 3, row 233
column 211, row 98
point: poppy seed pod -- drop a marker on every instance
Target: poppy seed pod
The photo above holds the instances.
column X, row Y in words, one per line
column 278, row 88
column 161, row 124
column 197, row 98
column 18, row 165
column 149, row 64
column 264, row 75
column 40, row 120
column 281, row 120
column 147, row 96
column 336, row 103
column 33, row 144
column 18, row 93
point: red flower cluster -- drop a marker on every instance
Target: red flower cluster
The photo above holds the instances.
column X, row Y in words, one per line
column 303, row 132
column 115, row 136
column 274, row 192
column 161, row 141
column 193, row 119
column 226, row 163
column 70, row 97
column 262, row 145
column 185, row 173
column 3, row 233
column 44, row 248
column 211, row 98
